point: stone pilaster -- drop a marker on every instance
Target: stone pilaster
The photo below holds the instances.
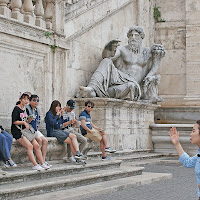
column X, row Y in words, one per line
column 192, row 52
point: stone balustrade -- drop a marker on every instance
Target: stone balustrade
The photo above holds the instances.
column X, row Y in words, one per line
column 162, row 142
column 29, row 11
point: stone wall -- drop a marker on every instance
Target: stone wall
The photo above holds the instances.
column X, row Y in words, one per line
column 179, row 34
column 79, row 30
column 89, row 26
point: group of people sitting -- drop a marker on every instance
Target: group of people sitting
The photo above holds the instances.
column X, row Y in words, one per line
column 60, row 123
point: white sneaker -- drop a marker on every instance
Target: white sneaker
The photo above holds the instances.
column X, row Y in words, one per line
column 38, row 168
column 44, row 166
column 72, row 159
column 47, row 164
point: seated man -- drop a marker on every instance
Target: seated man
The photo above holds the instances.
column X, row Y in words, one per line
column 89, row 130
column 71, row 122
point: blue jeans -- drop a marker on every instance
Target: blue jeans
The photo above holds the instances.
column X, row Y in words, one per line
column 5, row 145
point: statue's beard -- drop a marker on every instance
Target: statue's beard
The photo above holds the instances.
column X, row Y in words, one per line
column 134, row 45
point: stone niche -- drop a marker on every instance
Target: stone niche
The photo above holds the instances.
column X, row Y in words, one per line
column 126, row 122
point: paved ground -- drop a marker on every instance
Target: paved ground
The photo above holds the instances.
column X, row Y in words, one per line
column 181, row 187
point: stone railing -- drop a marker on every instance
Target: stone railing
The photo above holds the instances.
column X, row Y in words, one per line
column 36, row 12
column 162, row 142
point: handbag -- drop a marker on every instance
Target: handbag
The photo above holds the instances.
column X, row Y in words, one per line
column 29, row 134
column 94, row 135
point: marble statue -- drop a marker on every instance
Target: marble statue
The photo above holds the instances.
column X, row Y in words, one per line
column 127, row 72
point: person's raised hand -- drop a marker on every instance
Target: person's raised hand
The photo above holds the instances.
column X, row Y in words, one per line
column 174, row 135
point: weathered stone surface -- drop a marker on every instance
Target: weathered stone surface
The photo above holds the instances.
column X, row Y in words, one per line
column 55, row 151
column 126, row 122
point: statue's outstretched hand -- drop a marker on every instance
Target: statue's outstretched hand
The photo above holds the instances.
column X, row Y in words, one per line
column 174, row 135
column 110, row 49
column 158, row 51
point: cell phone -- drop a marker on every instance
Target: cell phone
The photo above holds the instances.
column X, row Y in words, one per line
column 31, row 115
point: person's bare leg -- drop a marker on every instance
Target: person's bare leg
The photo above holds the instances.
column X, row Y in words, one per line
column 74, row 141
column 44, row 147
column 104, row 138
column 69, row 141
column 29, row 147
column 102, row 148
column 38, row 152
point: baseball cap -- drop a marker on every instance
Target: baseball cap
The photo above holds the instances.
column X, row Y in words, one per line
column 71, row 104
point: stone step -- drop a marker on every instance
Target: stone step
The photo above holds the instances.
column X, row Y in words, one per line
column 103, row 187
column 119, row 153
column 33, row 187
column 140, row 156
column 129, row 156
column 25, row 173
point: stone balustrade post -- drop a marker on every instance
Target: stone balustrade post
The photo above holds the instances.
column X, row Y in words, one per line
column 4, row 10
column 48, row 14
column 16, row 6
column 28, row 12
column 39, row 13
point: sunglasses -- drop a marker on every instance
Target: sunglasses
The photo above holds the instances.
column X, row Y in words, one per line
column 35, row 100
column 90, row 106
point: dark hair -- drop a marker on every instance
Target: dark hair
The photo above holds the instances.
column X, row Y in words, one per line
column 198, row 122
column 33, row 96
column 89, row 102
column 53, row 106
column 23, row 96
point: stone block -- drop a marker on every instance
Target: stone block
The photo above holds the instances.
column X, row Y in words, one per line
column 171, row 10
column 193, row 82
column 40, row 22
column 29, row 19
column 192, row 6
column 125, row 131
column 173, row 63
column 193, row 18
column 172, row 85
column 192, row 54
column 5, row 12
column 55, row 151
column 18, row 16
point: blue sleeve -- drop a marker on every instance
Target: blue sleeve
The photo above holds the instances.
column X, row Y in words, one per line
column 52, row 121
column 82, row 116
column 188, row 161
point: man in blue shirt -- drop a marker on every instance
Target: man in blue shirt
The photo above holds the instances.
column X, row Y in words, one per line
column 89, row 130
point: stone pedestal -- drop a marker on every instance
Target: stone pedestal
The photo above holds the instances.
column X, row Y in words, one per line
column 126, row 122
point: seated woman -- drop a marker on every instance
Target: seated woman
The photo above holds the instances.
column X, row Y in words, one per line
column 21, row 121
column 54, row 124
column 5, row 147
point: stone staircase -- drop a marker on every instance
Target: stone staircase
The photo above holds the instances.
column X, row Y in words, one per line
column 71, row 181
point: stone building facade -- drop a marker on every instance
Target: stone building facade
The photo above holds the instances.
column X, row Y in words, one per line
column 53, row 47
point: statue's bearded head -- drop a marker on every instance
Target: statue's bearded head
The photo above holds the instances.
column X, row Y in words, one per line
column 135, row 36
